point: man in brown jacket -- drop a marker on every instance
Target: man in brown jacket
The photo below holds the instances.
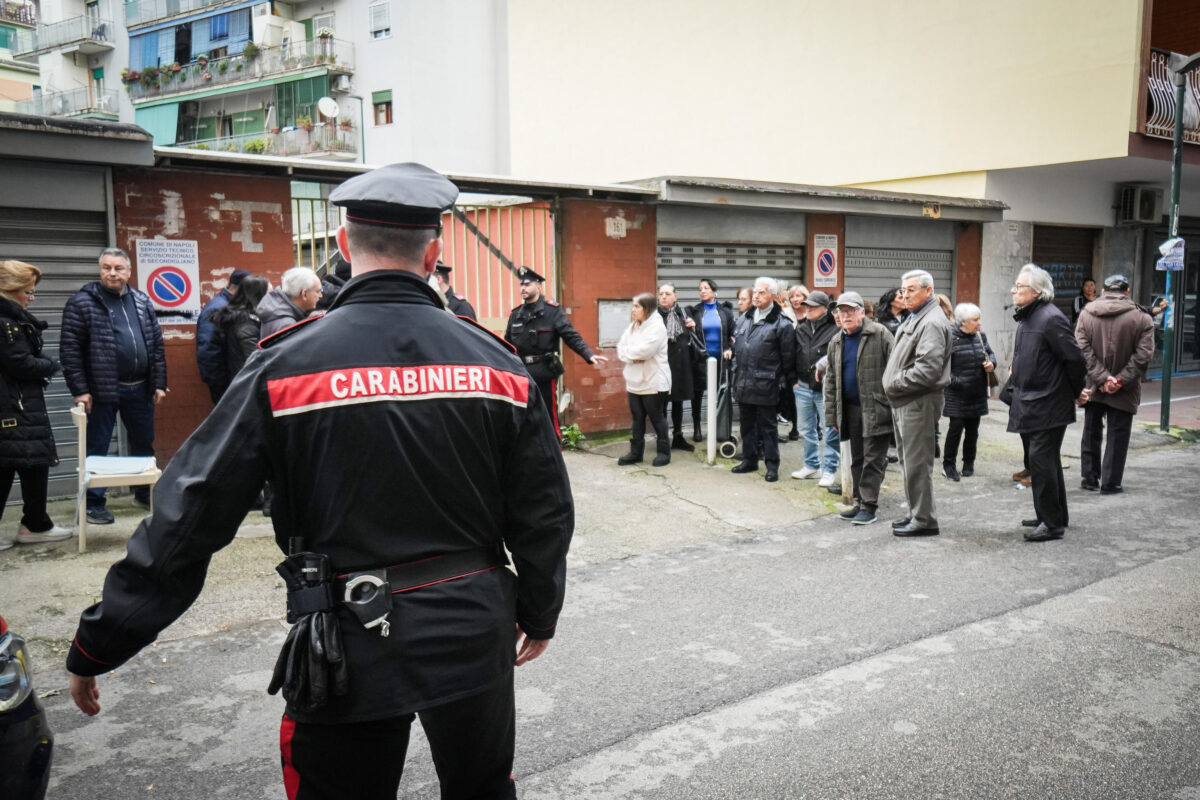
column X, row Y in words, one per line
column 1117, row 341
column 855, row 406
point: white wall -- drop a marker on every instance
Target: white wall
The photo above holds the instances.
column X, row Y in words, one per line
column 812, row 91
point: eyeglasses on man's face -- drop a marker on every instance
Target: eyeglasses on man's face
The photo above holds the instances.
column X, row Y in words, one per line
column 1019, row 286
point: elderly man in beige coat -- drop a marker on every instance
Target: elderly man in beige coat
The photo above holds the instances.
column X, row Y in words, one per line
column 918, row 370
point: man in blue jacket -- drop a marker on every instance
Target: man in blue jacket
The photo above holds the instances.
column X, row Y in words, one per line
column 113, row 361
column 210, row 348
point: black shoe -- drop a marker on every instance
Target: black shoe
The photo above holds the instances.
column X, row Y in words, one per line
column 968, row 469
column 680, row 443
column 745, row 466
column 1091, row 487
column 1111, row 490
column 793, row 435
column 696, row 437
column 629, row 458
column 913, row 529
column 661, row 460
column 900, row 523
column 949, row 471
column 851, row 514
column 100, row 515
column 772, row 475
column 893, row 459
column 1030, row 523
column 864, row 517
column 1044, row 533
column 834, row 489
column 781, row 440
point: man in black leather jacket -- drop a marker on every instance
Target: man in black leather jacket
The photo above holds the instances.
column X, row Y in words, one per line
column 360, row 419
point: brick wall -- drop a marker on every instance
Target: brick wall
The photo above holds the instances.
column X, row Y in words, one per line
column 969, row 253
column 597, row 266
column 239, row 223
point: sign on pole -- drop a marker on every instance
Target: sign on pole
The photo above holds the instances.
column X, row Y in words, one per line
column 170, row 274
column 825, row 260
column 1172, row 256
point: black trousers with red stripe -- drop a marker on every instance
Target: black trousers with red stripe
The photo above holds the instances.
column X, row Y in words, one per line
column 471, row 740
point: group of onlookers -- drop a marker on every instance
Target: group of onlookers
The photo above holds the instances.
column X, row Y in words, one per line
column 882, row 374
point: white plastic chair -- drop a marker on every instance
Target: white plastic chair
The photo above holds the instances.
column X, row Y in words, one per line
column 106, row 471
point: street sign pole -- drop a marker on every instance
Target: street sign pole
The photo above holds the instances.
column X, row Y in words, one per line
column 1180, row 66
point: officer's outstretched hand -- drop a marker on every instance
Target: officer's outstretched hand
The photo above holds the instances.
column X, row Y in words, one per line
column 599, row 361
column 85, row 694
column 529, row 649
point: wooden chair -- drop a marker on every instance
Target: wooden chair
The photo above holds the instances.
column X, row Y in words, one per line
column 106, row 471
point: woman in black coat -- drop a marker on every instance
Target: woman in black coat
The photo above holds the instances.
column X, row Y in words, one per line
column 26, row 438
column 238, row 324
column 971, row 359
column 681, row 357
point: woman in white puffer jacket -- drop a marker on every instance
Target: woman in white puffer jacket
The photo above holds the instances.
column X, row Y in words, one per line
column 643, row 350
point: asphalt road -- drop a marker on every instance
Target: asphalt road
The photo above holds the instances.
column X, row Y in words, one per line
column 725, row 638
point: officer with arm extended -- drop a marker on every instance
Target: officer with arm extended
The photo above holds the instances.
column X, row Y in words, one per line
column 534, row 328
column 403, row 603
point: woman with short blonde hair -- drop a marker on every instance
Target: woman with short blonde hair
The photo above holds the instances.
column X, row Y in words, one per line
column 26, row 438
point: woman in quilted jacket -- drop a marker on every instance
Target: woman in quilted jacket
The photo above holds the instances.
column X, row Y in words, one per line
column 26, row 438
column 971, row 359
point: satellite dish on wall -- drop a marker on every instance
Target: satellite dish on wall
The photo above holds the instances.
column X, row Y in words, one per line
column 328, row 107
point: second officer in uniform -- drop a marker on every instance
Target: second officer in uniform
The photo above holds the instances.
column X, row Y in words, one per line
column 534, row 328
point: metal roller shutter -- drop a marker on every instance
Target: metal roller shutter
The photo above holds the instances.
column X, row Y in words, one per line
column 64, row 245
column 871, row 271
column 730, row 265
column 1066, row 253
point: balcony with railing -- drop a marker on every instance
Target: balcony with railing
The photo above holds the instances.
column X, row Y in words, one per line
column 1160, row 100
column 252, row 64
column 20, row 13
column 73, row 103
column 143, row 12
column 85, row 34
column 327, row 140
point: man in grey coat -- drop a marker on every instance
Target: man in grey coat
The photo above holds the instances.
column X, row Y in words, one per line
column 918, row 370
column 854, row 402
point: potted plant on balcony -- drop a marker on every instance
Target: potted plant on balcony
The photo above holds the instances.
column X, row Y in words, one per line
column 250, row 51
column 130, row 76
column 175, row 67
column 223, row 67
column 346, row 124
column 202, row 60
column 304, row 121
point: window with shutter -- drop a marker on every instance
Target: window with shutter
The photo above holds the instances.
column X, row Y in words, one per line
column 380, row 15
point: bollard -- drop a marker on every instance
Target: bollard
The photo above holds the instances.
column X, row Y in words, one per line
column 847, row 480
column 711, row 369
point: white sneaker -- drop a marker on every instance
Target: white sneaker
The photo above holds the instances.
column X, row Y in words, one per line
column 55, row 534
column 827, row 479
column 5, row 544
column 806, row 473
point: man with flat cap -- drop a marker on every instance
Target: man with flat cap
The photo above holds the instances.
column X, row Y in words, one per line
column 402, row 600
column 1117, row 340
column 855, row 406
column 535, row 328
column 457, row 304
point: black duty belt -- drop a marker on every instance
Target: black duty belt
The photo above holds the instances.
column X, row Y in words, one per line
column 423, row 572
column 368, row 593
column 533, row 359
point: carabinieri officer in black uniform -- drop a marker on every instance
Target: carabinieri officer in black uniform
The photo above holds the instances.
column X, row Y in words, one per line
column 403, row 602
column 457, row 303
column 534, row 328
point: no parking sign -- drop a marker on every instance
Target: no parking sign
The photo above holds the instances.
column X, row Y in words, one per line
column 825, row 260
column 170, row 273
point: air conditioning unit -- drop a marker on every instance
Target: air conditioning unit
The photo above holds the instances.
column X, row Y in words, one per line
column 1139, row 204
column 341, row 84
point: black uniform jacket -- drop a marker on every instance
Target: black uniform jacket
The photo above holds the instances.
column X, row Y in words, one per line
column 535, row 328
column 390, row 432
column 458, row 304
